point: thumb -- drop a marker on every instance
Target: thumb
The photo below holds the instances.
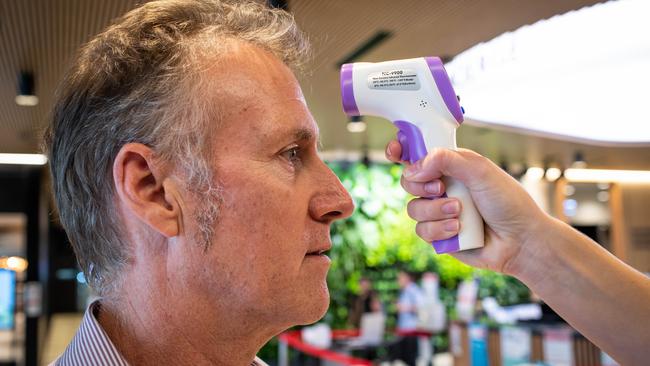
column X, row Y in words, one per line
column 464, row 165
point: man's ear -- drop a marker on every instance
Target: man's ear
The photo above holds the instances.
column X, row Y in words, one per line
column 142, row 184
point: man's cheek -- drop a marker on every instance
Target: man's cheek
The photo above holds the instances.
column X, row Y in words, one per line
column 258, row 207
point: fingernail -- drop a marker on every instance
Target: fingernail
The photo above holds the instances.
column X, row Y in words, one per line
column 432, row 187
column 388, row 152
column 451, row 207
column 451, row 226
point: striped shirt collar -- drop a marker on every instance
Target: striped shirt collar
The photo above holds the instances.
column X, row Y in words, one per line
column 91, row 345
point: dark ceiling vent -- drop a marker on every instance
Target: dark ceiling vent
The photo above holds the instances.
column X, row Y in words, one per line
column 446, row 58
column 373, row 42
column 280, row 4
column 26, row 95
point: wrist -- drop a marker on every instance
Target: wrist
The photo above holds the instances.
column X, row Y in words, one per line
column 530, row 263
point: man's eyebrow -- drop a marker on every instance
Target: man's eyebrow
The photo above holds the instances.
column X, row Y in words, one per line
column 300, row 135
column 304, row 134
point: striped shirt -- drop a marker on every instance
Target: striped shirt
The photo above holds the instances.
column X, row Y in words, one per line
column 91, row 345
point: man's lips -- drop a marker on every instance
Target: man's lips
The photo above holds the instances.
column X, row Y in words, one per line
column 320, row 250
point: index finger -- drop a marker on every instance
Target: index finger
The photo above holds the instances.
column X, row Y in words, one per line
column 464, row 165
column 432, row 166
column 394, row 151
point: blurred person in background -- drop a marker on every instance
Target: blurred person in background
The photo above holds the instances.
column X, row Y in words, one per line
column 432, row 313
column 409, row 301
column 367, row 301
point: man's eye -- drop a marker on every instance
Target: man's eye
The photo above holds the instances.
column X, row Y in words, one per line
column 292, row 154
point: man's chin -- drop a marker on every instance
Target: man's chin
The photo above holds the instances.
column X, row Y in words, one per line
column 315, row 318
column 317, row 308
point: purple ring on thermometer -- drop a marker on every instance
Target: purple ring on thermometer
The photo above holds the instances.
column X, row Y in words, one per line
column 347, row 91
column 445, row 88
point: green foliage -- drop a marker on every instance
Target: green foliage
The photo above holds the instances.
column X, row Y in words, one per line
column 505, row 289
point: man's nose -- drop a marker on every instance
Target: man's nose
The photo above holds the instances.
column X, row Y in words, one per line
column 333, row 202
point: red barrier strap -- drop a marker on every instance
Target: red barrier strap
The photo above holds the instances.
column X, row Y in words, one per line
column 413, row 333
column 294, row 340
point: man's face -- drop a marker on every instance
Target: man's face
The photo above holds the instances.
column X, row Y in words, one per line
column 365, row 285
column 279, row 200
column 403, row 279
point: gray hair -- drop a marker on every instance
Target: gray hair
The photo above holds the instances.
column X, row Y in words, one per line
column 139, row 81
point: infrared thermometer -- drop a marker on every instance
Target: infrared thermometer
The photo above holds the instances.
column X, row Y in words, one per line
column 417, row 96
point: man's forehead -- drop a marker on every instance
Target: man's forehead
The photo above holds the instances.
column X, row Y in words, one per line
column 246, row 73
column 254, row 90
column 287, row 121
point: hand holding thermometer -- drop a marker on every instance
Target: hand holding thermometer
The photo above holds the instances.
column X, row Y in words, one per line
column 417, row 96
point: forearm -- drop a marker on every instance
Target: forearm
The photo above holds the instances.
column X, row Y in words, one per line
column 599, row 295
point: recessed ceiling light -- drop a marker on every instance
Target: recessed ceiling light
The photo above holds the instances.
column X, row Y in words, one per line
column 552, row 174
column 607, row 175
column 534, row 173
column 23, row 159
column 356, row 124
column 27, row 100
column 26, row 96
